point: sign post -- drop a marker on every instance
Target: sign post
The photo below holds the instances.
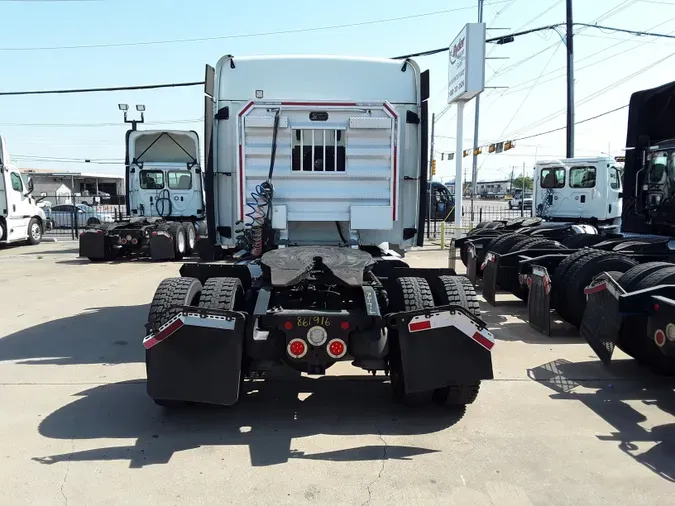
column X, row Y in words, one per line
column 466, row 79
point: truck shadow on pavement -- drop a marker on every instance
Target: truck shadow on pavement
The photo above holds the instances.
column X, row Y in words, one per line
column 269, row 416
column 624, row 392
column 108, row 335
column 509, row 323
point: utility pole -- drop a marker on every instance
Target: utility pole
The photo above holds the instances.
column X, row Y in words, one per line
column 522, row 207
column 474, row 171
column 570, row 82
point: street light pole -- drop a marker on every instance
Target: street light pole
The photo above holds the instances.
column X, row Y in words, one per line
column 474, row 166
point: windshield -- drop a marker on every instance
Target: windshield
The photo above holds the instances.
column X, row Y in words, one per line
column 657, row 165
column 553, row 177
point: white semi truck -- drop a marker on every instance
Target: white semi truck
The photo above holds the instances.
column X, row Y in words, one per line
column 316, row 174
column 21, row 220
column 165, row 200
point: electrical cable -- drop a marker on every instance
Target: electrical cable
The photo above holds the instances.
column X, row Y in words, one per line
column 246, row 35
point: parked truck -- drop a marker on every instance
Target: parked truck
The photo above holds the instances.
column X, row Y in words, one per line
column 165, row 209
column 618, row 286
column 21, row 220
column 576, row 201
column 324, row 161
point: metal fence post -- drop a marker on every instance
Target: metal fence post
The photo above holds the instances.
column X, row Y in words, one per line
column 452, row 255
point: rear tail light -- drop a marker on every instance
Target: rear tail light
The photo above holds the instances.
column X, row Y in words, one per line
column 288, row 325
column 660, row 337
column 344, row 325
column 134, row 241
column 336, row 348
column 297, row 348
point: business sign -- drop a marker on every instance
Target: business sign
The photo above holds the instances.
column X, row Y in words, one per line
column 466, row 76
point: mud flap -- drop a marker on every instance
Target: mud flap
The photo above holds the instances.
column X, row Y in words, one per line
column 197, row 357
column 442, row 346
column 539, row 300
column 602, row 319
column 161, row 246
column 93, row 244
column 491, row 264
column 471, row 263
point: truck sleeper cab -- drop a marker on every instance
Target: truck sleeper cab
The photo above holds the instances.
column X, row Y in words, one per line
column 316, row 176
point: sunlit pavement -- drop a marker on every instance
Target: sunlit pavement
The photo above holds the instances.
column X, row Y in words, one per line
column 554, row 427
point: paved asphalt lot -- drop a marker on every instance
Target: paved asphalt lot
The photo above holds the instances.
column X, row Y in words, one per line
column 76, row 427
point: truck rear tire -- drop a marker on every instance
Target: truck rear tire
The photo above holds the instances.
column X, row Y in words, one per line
column 632, row 339
column 222, row 293
column 582, row 240
column 179, row 239
column 172, row 292
column 580, row 274
column 34, row 232
column 411, row 294
column 456, row 290
column 191, row 235
column 415, row 293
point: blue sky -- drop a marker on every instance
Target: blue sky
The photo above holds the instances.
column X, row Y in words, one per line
column 608, row 66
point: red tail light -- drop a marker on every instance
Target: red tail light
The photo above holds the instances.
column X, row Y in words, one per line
column 297, row 348
column 336, row 348
column 123, row 241
column 288, row 325
column 344, row 325
column 134, row 241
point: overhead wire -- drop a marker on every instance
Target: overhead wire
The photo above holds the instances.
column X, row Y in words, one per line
column 247, row 35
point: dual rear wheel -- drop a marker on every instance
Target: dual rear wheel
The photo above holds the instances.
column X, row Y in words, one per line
column 414, row 294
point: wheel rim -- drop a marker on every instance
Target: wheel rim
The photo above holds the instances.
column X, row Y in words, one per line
column 35, row 231
column 181, row 241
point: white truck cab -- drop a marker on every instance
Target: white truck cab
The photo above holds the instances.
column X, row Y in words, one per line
column 164, row 175
column 20, row 217
column 587, row 189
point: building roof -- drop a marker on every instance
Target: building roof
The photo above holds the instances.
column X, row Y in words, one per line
column 48, row 186
column 68, row 173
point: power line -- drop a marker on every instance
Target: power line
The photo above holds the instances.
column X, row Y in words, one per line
column 576, row 123
column 90, row 125
column 531, row 88
column 245, row 35
column 94, row 90
column 503, row 38
column 594, row 94
column 515, row 88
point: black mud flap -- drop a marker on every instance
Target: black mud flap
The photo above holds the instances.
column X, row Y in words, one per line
column 539, row 300
column 93, row 245
column 197, row 357
column 602, row 319
column 442, row 346
column 471, row 263
column 161, row 246
column 490, row 266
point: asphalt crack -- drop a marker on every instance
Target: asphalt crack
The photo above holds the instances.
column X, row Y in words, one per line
column 65, row 476
column 379, row 474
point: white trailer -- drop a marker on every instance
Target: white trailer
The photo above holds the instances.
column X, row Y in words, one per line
column 20, row 217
